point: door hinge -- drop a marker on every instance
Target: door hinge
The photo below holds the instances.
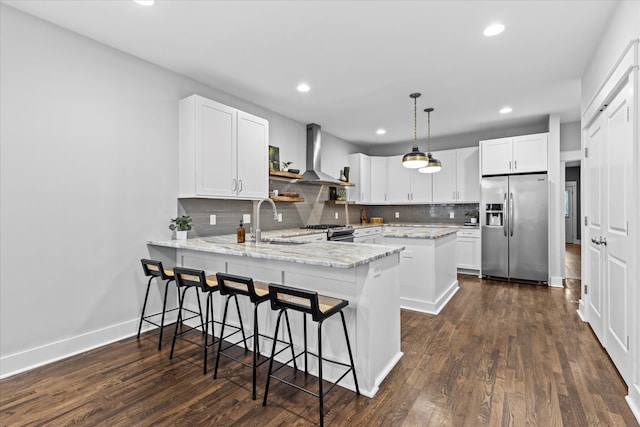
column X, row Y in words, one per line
column 627, row 342
column 627, row 113
column 586, row 289
column 586, row 151
column 586, row 220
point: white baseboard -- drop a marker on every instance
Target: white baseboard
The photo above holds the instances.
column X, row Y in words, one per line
column 633, row 400
column 556, row 282
column 580, row 310
column 430, row 307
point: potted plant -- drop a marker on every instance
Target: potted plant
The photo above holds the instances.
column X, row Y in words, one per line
column 285, row 166
column 473, row 216
column 181, row 225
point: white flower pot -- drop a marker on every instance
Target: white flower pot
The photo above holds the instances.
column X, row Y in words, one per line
column 181, row 235
column 474, row 220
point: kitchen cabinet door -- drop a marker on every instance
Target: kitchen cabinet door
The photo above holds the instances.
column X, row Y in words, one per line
column 468, row 250
column 444, row 182
column 223, row 152
column 530, row 153
column 378, row 179
column 468, row 175
column 421, row 187
column 496, row 156
column 398, row 181
column 360, row 176
column 252, row 155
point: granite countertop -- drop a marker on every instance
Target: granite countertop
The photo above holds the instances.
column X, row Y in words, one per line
column 421, row 232
column 325, row 254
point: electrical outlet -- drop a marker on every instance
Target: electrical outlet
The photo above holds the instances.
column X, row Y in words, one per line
column 397, row 214
column 452, row 214
column 246, row 218
column 212, row 220
column 336, row 215
column 279, row 217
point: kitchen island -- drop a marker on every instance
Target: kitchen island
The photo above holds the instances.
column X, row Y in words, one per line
column 365, row 275
column 428, row 270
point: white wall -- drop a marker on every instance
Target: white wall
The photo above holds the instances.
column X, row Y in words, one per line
column 570, row 136
column 623, row 26
column 88, row 174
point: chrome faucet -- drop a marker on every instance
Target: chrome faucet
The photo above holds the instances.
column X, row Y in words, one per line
column 275, row 218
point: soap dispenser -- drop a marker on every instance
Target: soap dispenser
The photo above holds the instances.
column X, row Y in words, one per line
column 240, row 232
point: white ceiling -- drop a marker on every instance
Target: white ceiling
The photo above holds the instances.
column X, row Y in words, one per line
column 362, row 59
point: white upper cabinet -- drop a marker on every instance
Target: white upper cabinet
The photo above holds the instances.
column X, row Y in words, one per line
column 421, row 187
column 459, row 179
column 223, row 151
column 520, row 154
column 360, row 176
column 398, row 181
column 378, row 179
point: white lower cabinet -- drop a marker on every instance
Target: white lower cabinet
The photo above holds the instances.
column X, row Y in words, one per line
column 370, row 235
column 315, row 237
column 468, row 250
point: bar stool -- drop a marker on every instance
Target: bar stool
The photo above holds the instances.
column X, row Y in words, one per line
column 187, row 278
column 258, row 292
column 154, row 269
column 320, row 307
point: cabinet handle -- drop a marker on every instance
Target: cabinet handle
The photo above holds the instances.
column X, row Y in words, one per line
column 515, row 165
column 509, row 164
column 408, row 196
column 241, row 186
column 453, row 195
column 234, row 187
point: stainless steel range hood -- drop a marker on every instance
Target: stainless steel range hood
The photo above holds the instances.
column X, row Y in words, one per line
column 314, row 174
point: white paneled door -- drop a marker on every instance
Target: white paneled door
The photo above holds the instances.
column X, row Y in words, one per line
column 619, row 244
column 610, row 246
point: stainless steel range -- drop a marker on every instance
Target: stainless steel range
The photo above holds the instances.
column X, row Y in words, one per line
column 335, row 232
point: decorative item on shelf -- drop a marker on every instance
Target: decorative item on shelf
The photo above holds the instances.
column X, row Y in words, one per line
column 181, row 225
column 285, row 166
column 341, row 194
column 376, row 220
column 274, row 158
column 241, row 232
column 346, row 171
column 363, row 216
column 416, row 158
column 433, row 165
column 294, row 170
column 342, row 177
column 473, row 216
column 290, row 194
column 333, row 195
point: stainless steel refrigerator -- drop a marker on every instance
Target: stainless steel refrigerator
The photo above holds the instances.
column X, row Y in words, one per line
column 514, row 223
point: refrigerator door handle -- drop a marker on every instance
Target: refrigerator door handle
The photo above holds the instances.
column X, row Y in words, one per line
column 505, row 220
column 511, row 215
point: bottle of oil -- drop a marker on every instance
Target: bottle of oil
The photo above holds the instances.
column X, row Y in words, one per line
column 241, row 233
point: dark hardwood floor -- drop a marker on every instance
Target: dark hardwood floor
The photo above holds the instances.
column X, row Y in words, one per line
column 499, row 354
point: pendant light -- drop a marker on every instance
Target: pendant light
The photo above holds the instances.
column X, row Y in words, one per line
column 416, row 158
column 433, row 165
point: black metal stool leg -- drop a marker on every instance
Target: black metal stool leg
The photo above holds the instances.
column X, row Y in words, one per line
column 304, row 325
column 256, row 347
column 224, row 322
column 293, row 352
column 353, row 366
column 244, row 337
column 164, row 309
column 144, row 305
column 273, row 352
column 206, row 333
column 320, row 388
column 178, row 321
column 200, row 310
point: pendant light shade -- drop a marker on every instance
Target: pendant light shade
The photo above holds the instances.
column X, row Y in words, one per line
column 433, row 165
column 416, row 158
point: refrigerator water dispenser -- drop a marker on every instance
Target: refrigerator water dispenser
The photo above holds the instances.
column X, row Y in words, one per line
column 494, row 215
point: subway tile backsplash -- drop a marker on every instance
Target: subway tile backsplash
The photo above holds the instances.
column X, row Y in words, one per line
column 313, row 210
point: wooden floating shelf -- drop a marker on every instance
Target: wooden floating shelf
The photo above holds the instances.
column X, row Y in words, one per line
column 285, row 174
column 286, row 199
column 339, row 202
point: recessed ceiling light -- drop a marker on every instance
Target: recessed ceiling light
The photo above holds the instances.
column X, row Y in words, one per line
column 493, row 30
column 303, row 87
column 381, row 131
column 506, row 110
column 145, row 2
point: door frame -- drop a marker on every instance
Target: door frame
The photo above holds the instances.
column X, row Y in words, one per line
column 573, row 204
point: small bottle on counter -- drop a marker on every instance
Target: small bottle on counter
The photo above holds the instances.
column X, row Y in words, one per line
column 241, row 233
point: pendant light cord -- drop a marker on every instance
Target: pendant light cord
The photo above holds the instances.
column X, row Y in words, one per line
column 415, row 121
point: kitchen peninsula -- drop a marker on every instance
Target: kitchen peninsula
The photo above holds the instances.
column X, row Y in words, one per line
column 365, row 275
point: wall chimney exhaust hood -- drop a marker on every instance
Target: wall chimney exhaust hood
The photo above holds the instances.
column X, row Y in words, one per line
column 314, row 174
